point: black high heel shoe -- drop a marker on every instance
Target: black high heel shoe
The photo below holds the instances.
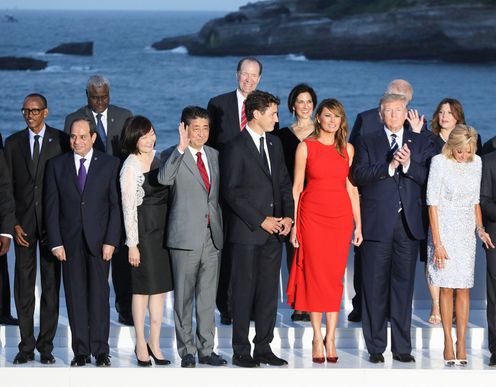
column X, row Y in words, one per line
column 155, row 359
column 142, row 363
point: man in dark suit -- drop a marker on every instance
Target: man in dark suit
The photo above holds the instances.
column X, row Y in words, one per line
column 370, row 121
column 27, row 153
column 489, row 146
column 194, row 236
column 227, row 119
column 255, row 186
column 108, row 122
column 83, row 220
column 488, row 206
column 7, row 223
column 390, row 170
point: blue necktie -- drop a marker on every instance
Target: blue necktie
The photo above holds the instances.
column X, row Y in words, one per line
column 82, row 175
column 101, row 130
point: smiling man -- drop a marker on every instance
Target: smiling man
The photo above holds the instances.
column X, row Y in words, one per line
column 83, row 219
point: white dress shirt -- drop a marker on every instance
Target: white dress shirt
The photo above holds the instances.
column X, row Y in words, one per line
column 87, row 161
column 204, row 159
column 103, row 118
column 256, row 139
column 241, row 100
column 40, row 140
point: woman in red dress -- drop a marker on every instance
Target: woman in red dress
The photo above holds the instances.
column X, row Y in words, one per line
column 325, row 210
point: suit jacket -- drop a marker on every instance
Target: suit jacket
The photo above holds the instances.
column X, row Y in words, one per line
column 93, row 214
column 224, row 119
column 7, row 204
column 489, row 146
column 251, row 191
column 28, row 184
column 190, row 204
column 382, row 193
column 370, row 121
column 488, row 193
column 116, row 118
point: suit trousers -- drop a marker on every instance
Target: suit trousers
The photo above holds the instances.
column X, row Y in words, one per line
column 121, row 279
column 224, row 291
column 24, row 294
column 255, row 281
column 87, row 297
column 388, row 280
column 356, row 301
column 4, row 286
column 196, row 275
column 491, row 297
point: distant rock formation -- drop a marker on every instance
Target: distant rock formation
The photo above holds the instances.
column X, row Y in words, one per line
column 21, row 63
column 79, row 48
column 355, row 30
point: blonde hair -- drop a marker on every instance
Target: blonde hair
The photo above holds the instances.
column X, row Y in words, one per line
column 461, row 137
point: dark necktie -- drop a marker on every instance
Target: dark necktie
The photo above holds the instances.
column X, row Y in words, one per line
column 82, row 175
column 101, row 130
column 244, row 120
column 203, row 171
column 36, row 153
column 263, row 154
column 394, row 144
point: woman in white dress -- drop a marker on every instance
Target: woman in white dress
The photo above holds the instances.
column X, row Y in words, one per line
column 455, row 217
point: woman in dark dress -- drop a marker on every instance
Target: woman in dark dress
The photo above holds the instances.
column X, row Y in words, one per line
column 144, row 204
column 301, row 103
column 448, row 114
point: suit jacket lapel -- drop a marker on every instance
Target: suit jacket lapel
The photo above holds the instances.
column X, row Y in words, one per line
column 92, row 170
column 252, row 149
column 234, row 108
column 71, row 170
column 189, row 161
column 46, row 146
column 213, row 169
column 26, row 152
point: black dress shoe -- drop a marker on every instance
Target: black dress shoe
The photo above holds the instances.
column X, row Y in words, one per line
column 225, row 319
column 23, row 358
column 355, row 316
column 376, row 358
column 47, row 358
column 80, row 361
column 403, row 357
column 213, row 360
column 270, row 359
column 305, row 316
column 126, row 319
column 188, row 361
column 245, row 361
column 103, row 360
column 8, row 320
column 492, row 360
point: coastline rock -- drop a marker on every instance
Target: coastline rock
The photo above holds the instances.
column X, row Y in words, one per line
column 419, row 30
column 78, row 48
column 21, row 63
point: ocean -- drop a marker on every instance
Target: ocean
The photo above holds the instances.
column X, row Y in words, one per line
column 158, row 84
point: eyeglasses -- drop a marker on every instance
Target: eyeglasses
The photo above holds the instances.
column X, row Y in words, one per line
column 99, row 97
column 34, row 112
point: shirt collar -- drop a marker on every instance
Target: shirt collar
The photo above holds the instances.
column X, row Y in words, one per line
column 104, row 114
column 41, row 134
column 399, row 133
column 194, row 151
column 240, row 96
column 88, row 156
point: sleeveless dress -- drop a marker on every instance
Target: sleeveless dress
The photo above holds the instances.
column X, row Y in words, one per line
column 324, row 231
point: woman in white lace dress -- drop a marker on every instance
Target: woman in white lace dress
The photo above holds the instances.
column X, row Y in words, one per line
column 144, row 204
column 455, row 217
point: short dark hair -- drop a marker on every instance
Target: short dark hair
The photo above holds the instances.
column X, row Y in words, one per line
column 87, row 120
column 37, row 95
column 259, row 100
column 134, row 128
column 249, row 59
column 297, row 90
column 191, row 112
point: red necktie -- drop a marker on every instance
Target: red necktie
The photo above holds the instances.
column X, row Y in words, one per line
column 243, row 117
column 203, row 171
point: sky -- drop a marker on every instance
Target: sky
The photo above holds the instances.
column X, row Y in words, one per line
column 175, row 5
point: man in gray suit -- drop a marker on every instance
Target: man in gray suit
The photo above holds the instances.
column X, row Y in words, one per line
column 108, row 122
column 194, row 235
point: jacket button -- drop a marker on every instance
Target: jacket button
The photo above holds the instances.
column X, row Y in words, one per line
column 82, row 203
column 271, row 205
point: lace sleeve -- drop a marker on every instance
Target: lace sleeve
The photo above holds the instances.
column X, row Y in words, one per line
column 434, row 182
column 131, row 180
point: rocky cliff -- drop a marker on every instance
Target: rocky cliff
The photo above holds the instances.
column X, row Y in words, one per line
column 343, row 29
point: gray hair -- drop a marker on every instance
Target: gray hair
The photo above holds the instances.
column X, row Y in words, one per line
column 400, row 86
column 389, row 97
column 97, row 81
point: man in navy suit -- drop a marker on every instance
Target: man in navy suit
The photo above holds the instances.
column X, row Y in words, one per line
column 367, row 122
column 390, row 170
column 227, row 120
column 256, row 187
column 83, row 220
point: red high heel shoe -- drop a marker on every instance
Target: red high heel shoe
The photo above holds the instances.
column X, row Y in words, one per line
column 330, row 359
column 317, row 359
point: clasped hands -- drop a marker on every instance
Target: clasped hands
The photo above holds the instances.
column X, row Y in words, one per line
column 401, row 157
column 281, row 226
